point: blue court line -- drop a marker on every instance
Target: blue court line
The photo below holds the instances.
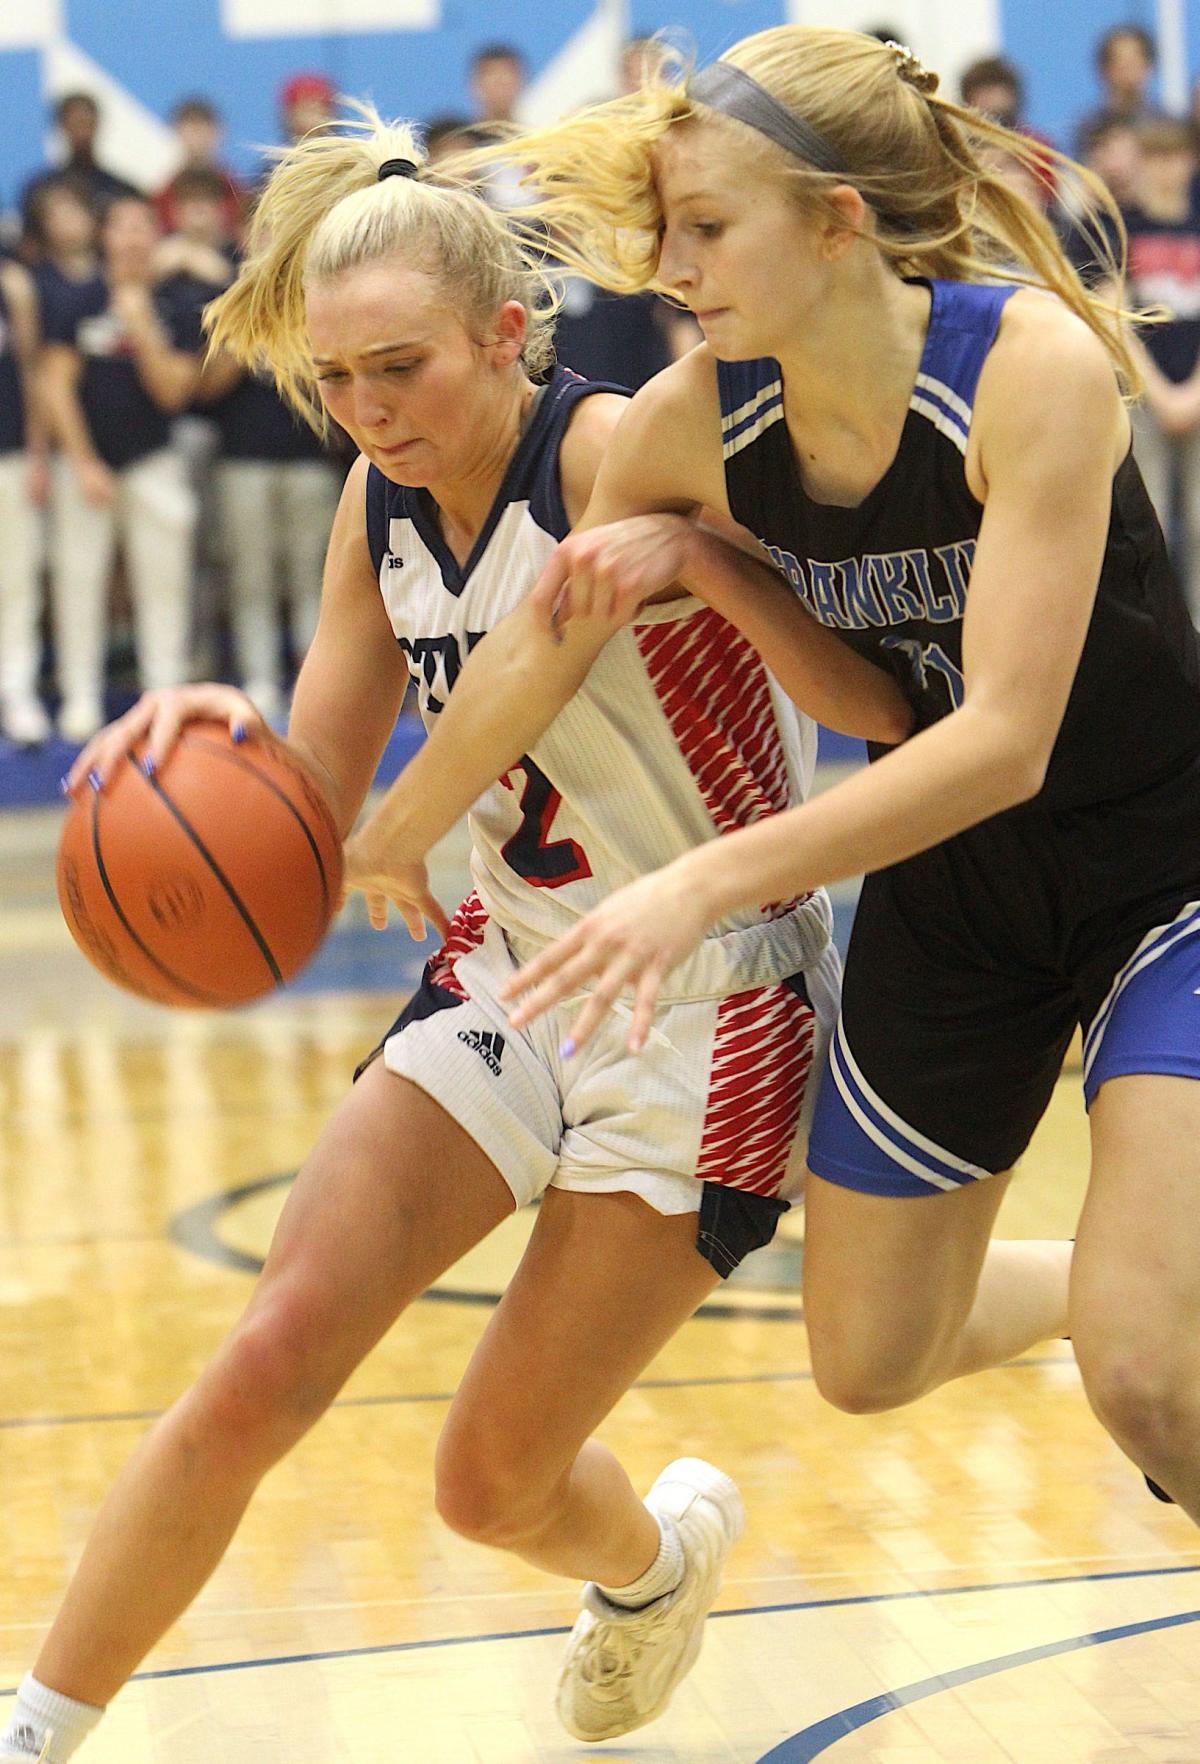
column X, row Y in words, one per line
column 12, row 1423
column 812, row 1741
column 777, row 1756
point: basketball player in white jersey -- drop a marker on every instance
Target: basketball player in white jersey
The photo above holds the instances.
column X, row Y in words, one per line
column 419, row 318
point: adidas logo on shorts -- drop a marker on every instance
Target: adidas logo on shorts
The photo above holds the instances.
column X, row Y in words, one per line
column 488, row 1044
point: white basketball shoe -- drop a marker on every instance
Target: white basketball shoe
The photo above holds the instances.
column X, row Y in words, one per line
column 621, row 1666
column 27, row 1757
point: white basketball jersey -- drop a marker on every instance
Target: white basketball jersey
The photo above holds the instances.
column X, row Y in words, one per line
column 678, row 734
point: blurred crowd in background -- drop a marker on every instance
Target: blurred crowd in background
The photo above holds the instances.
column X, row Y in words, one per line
column 164, row 515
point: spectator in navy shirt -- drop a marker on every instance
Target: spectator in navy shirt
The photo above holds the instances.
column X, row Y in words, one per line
column 277, row 493
column 22, row 491
column 623, row 338
column 1163, row 225
column 77, row 116
column 121, row 357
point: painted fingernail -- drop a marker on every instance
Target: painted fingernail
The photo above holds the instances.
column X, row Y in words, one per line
column 239, row 734
column 148, row 765
column 94, row 780
column 64, row 784
column 567, row 1049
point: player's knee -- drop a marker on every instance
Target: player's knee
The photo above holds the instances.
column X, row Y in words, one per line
column 867, row 1383
column 267, row 1379
column 486, row 1493
column 1149, row 1407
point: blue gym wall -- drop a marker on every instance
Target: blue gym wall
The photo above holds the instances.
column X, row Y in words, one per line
column 158, row 52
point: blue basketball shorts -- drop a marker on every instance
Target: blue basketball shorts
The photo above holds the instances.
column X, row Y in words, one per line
column 930, row 1083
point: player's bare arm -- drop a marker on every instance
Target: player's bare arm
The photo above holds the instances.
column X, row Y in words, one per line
column 1044, row 463
column 512, row 686
column 645, row 529
column 347, row 697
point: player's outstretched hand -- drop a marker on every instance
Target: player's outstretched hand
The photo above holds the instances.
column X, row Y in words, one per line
column 157, row 718
column 383, row 876
column 634, row 938
column 610, row 571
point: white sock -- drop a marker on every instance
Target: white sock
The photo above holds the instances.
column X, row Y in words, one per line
column 40, row 1711
column 662, row 1577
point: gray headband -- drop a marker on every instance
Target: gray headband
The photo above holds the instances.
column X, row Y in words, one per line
column 724, row 87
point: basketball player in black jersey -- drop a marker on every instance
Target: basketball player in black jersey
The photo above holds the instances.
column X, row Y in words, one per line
column 937, row 455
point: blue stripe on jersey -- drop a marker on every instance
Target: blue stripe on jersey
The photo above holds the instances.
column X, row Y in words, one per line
column 735, row 425
column 963, row 320
column 741, row 385
column 378, row 490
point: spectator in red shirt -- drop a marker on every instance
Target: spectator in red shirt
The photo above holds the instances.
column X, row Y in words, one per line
column 305, row 105
column 199, row 130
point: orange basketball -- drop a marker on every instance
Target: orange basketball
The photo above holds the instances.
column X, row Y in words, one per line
column 211, row 882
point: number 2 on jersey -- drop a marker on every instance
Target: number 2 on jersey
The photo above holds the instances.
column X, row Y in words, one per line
column 541, row 861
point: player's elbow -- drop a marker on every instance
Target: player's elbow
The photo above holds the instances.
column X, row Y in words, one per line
column 1014, row 745
column 893, row 723
column 1020, row 770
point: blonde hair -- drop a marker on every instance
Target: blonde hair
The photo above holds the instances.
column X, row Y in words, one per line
column 325, row 210
column 938, row 209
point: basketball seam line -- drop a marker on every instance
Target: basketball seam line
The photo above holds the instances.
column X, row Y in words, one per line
column 102, row 871
column 194, row 740
column 235, row 899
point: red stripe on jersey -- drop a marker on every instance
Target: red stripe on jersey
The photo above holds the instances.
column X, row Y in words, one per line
column 465, row 934
column 762, row 1055
column 714, row 691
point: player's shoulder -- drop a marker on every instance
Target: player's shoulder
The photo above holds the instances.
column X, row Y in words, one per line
column 1046, row 345
column 588, row 431
column 670, row 435
column 1047, row 368
column 685, row 392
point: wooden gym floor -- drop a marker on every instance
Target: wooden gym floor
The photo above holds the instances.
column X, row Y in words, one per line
column 980, row 1578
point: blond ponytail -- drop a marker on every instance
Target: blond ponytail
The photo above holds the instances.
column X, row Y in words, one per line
column 937, row 208
column 326, row 210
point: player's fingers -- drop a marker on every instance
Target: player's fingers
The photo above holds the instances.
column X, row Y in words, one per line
column 534, row 972
column 568, row 977
column 221, row 703
column 414, row 920
column 645, row 1000
column 436, row 914
column 377, row 910
column 549, row 991
column 600, row 1002
column 104, row 752
column 547, row 593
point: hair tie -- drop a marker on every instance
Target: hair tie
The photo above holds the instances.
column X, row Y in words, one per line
column 397, row 168
column 912, row 69
column 728, row 88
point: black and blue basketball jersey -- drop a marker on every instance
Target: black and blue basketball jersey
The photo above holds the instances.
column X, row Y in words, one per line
column 12, row 403
column 892, row 574
column 972, row 963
